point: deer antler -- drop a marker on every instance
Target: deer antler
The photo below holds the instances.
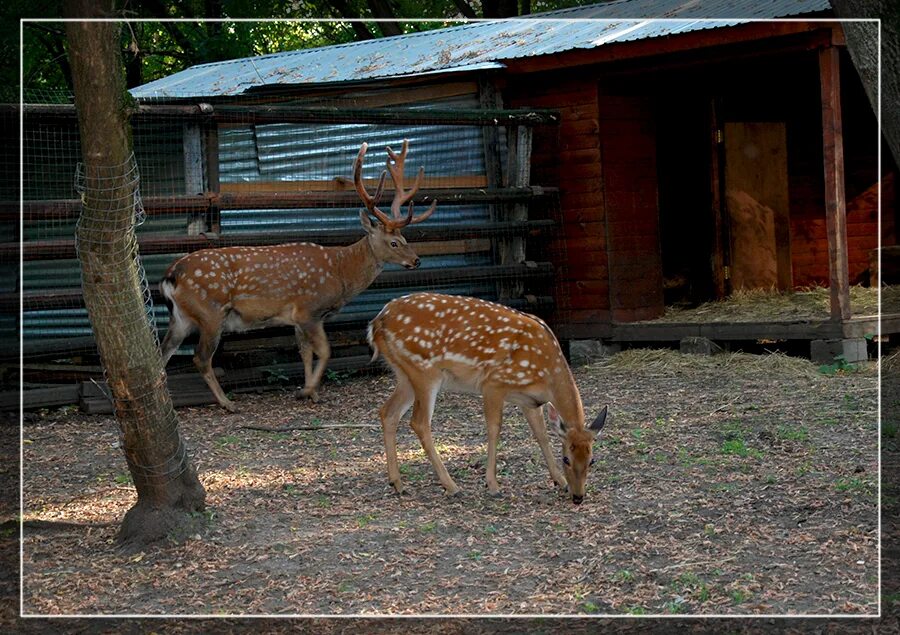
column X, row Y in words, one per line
column 369, row 201
column 402, row 197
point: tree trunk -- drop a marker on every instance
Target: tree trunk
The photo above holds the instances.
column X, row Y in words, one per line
column 382, row 10
column 112, row 278
column 862, row 42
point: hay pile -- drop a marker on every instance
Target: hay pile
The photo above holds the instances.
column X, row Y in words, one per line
column 759, row 305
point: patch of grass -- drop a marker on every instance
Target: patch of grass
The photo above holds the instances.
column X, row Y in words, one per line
column 739, row 596
column 323, row 501
column 637, row 433
column 365, row 519
column 475, row 555
column 590, row 607
column 428, row 527
column 635, row 610
column 228, row 439
column 890, row 598
column 739, row 448
column 838, row 366
column 676, row 606
column 792, row 433
column 889, row 429
column 490, row 530
column 123, row 479
column 854, row 485
column 803, row 469
column 624, row 575
column 345, row 587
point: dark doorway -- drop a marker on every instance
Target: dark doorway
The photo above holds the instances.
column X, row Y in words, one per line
column 685, row 204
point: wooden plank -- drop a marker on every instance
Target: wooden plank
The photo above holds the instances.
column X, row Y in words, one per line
column 672, row 332
column 166, row 244
column 835, row 205
column 36, row 398
column 430, row 181
column 174, row 205
column 263, row 113
column 73, row 298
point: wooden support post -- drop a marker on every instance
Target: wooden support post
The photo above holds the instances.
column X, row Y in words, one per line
column 719, row 257
column 835, row 204
column 211, row 153
column 193, row 175
column 518, row 174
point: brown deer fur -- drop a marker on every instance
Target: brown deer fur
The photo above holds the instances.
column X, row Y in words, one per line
column 300, row 284
column 434, row 342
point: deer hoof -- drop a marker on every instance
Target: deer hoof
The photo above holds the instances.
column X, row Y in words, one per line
column 398, row 487
column 455, row 491
column 230, row 407
column 308, row 393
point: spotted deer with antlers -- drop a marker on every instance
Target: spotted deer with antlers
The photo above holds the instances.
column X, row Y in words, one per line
column 461, row 344
column 299, row 284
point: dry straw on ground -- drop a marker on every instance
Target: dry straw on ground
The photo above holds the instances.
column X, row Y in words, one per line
column 757, row 305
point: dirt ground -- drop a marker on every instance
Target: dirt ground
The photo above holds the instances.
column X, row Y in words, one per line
column 732, row 484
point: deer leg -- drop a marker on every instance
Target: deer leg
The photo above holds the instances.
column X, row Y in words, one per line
column 323, row 351
column 493, row 415
column 421, row 425
column 539, row 431
column 209, row 341
column 306, row 354
column 391, row 413
column 179, row 328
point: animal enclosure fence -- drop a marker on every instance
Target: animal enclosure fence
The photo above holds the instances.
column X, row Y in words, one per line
column 263, row 172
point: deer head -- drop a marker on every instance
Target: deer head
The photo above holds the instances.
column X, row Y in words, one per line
column 577, row 449
column 385, row 239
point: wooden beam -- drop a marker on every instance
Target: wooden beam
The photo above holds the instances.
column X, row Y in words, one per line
column 690, row 42
column 72, row 298
column 265, row 114
column 835, row 204
column 61, row 249
column 297, row 197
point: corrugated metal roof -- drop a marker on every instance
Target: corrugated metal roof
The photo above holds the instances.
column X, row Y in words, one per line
column 472, row 46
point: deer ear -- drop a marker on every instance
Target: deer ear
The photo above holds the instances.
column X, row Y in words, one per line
column 556, row 423
column 599, row 422
column 366, row 221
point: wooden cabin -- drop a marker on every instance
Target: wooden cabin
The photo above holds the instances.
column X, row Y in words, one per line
column 594, row 168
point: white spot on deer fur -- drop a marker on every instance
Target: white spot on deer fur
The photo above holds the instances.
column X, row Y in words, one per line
column 321, row 279
column 416, row 329
column 524, row 363
column 198, row 272
column 407, row 319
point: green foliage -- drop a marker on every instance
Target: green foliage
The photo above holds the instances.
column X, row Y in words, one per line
column 737, row 447
column 838, row 366
column 275, row 376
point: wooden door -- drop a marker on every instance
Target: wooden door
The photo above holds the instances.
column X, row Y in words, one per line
column 756, row 200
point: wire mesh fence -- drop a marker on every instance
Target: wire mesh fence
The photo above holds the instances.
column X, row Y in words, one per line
column 278, row 170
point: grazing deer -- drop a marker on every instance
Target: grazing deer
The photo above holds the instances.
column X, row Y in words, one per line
column 434, row 341
column 236, row 288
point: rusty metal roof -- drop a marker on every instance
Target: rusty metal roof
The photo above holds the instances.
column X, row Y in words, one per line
column 473, row 45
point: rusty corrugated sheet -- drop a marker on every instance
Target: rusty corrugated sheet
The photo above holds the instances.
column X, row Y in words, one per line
column 474, row 45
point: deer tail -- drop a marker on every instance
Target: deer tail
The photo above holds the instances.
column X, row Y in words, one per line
column 370, row 337
column 167, row 287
